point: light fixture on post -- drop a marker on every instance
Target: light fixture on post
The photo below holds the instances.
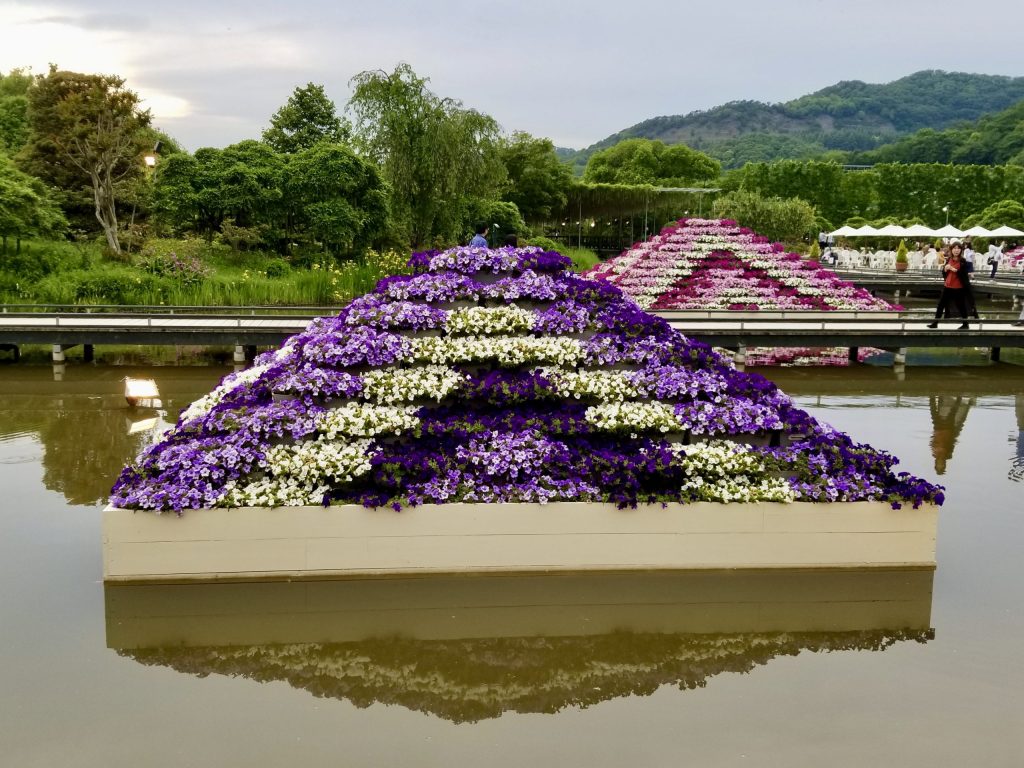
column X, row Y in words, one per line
column 945, row 210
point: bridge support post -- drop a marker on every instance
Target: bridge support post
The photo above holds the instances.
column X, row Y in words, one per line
column 994, row 354
column 239, row 353
column 88, row 353
column 1016, row 301
column 896, row 296
column 854, row 351
column 900, row 358
column 739, row 357
column 58, row 353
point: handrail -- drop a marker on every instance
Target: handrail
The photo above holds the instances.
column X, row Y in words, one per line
column 160, row 309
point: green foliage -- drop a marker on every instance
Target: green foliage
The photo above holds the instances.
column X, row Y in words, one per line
column 186, row 272
column 582, row 258
column 27, row 207
column 785, row 220
column 502, row 218
column 14, row 110
column 1008, row 212
column 902, row 191
column 991, row 140
column 901, row 253
column 815, row 251
column 336, row 198
column 86, row 131
column 538, row 181
column 436, row 156
column 307, row 119
column 642, row 161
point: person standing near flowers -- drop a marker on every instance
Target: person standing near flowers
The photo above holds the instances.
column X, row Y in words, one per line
column 956, row 286
column 480, row 238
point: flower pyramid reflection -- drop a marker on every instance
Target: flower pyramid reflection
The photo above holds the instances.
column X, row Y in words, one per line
column 499, row 376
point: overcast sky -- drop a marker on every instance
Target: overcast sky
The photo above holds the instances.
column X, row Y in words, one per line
column 574, row 71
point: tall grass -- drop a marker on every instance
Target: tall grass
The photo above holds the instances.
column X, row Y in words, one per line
column 192, row 275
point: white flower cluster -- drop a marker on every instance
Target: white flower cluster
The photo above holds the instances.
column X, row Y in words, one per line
column 402, row 385
column 634, row 417
column 367, row 420
column 233, row 381
column 725, row 472
column 604, row 385
column 300, row 474
column 507, row 350
column 486, row 321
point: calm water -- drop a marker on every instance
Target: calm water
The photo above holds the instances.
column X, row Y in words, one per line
column 908, row 669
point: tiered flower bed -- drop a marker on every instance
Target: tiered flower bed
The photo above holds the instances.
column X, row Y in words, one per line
column 496, row 377
column 716, row 264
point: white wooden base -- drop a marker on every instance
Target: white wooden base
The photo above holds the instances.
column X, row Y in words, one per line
column 313, row 542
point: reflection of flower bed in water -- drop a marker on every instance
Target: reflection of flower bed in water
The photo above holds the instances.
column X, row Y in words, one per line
column 470, row 680
column 498, row 376
column 833, row 356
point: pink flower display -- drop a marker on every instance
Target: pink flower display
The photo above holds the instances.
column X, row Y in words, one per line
column 716, row 264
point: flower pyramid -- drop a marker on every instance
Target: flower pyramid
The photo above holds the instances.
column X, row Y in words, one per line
column 716, row 264
column 499, row 376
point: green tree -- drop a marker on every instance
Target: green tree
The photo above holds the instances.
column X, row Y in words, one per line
column 538, row 182
column 86, row 130
column 336, row 198
column 307, row 119
column 27, row 207
column 242, row 182
column 436, row 156
column 643, row 161
column 14, row 110
column 787, row 220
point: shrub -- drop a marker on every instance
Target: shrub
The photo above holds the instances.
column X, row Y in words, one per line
column 785, row 220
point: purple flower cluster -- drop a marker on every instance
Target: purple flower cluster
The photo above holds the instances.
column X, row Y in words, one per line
column 607, row 429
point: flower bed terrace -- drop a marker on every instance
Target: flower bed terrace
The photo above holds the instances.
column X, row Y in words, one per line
column 498, row 376
column 716, row 264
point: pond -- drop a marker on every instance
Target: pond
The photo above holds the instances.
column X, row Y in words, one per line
column 908, row 668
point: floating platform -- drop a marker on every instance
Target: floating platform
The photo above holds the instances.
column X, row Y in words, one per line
column 342, row 541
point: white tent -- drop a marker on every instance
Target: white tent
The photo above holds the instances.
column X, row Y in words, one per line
column 1005, row 231
column 892, row 230
column 948, row 231
column 920, row 230
column 844, row 231
column 977, row 231
column 866, row 231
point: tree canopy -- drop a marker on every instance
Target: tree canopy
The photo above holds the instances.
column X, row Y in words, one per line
column 437, row 156
column 537, row 180
column 27, row 206
column 642, row 161
column 86, row 130
column 307, row 119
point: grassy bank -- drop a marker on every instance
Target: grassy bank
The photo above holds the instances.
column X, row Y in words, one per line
column 194, row 273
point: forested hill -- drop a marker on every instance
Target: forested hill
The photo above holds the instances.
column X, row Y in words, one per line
column 994, row 139
column 848, row 116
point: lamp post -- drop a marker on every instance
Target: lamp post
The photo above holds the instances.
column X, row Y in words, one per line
column 945, row 210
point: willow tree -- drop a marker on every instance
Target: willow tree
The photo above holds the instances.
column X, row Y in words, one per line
column 86, row 130
column 438, row 157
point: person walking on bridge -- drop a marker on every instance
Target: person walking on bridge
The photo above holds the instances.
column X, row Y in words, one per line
column 956, row 286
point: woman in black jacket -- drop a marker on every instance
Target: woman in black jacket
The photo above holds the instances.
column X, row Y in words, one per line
column 956, row 287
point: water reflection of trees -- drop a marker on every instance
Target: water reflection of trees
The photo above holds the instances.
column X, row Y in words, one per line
column 949, row 414
column 1017, row 468
column 471, row 680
